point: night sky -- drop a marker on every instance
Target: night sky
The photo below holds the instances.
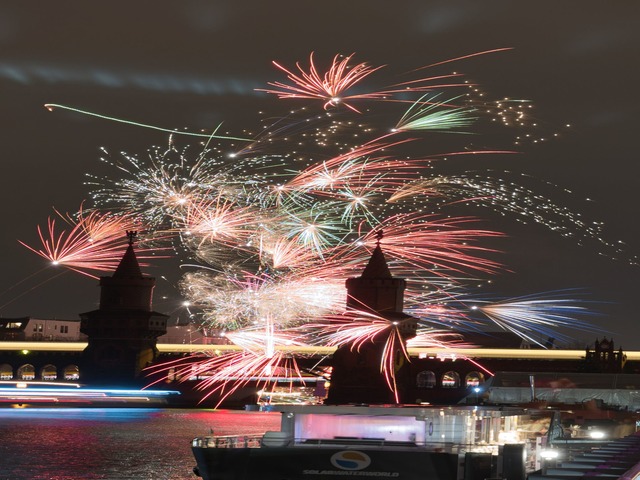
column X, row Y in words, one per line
column 195, row 64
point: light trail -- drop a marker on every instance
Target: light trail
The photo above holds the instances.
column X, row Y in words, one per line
column 506, row 353
column 52, row 106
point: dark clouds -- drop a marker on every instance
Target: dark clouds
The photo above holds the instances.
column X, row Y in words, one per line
column 86, row 76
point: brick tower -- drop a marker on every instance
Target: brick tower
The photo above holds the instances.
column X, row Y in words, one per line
column 123, row 331
column 356, row 375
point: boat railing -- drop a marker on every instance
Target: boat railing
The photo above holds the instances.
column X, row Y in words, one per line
column 228, row 441
column 266, row 441
column 381, row 442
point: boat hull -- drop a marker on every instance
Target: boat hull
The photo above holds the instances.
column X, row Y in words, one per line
column 321, row 463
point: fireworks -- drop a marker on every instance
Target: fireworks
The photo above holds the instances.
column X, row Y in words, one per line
column 536, row 315
column 277, row 226
column 259, row 362
column 330, row 87
column 95, row 242
column 160, row 187
column 428, row 114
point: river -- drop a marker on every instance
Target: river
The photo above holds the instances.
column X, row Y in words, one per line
column 113, row 443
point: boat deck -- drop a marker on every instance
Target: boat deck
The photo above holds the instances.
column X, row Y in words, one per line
column 619, row 458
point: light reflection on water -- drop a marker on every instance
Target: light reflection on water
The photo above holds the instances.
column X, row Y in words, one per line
column 113, row 443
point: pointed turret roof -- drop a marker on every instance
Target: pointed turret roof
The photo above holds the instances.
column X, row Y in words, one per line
column 129, row 266
column 377, row 266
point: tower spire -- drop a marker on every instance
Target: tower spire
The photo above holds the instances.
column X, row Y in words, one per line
column 377, row 266
column 375, row 289
column 129, row 266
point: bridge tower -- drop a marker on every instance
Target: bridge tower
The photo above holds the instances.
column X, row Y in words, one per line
column 356, row 372
column 124, row 330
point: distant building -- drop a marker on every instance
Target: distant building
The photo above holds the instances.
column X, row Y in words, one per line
column 191, row 334
column 29, row 329
column 604, row 358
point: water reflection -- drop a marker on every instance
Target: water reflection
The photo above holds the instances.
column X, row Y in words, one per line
column 112, row 443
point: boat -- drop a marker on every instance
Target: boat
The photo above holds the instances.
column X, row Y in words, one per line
column 401, row 442
column 389, row 438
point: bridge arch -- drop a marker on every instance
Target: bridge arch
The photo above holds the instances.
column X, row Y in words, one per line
column 26, row 372
column 6, row 372
column 473, row 379
column 71, row 372
column 49, row 372
column 450, row 379
column 426, row 379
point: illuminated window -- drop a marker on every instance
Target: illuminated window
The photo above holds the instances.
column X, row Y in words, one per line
column 450, row 379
